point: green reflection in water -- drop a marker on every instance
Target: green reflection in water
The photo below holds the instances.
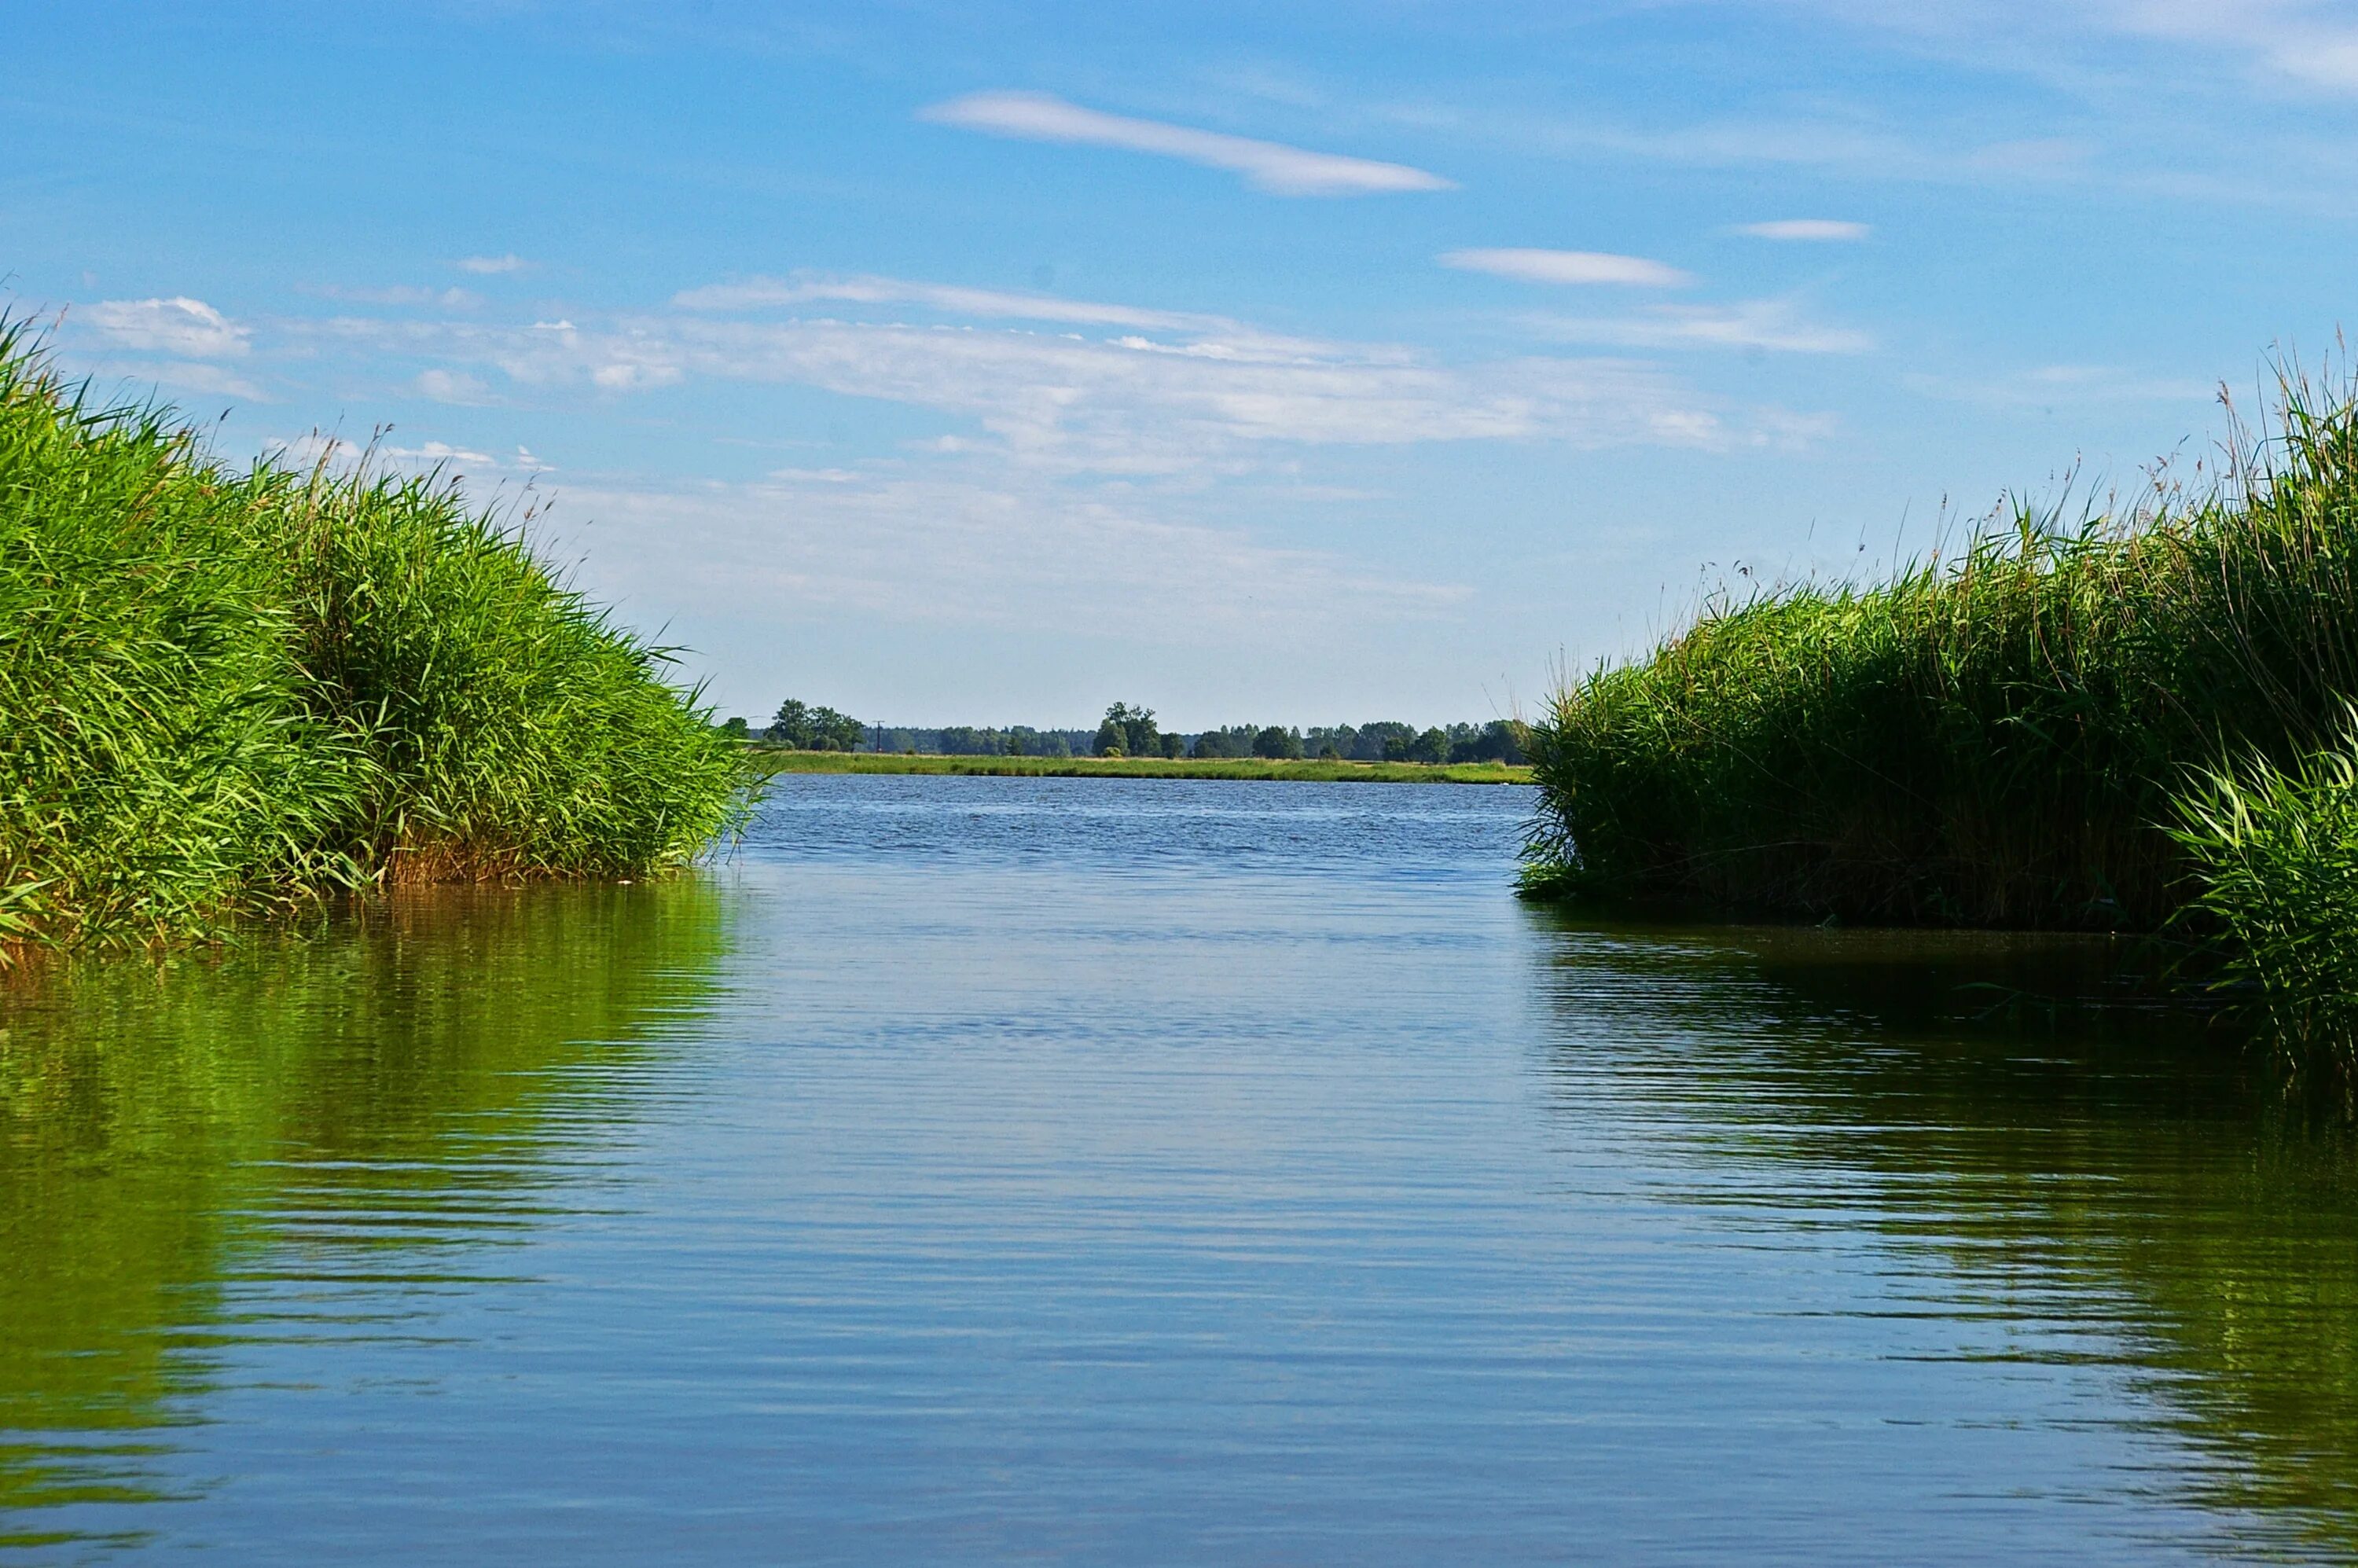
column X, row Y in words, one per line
column 362, row 1105
column 2106, row 1181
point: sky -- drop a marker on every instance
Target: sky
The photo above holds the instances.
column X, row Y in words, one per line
column 1298, row 363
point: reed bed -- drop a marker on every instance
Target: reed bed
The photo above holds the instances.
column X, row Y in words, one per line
column 224, row 692
column 2275, row 858
column 2005, row 738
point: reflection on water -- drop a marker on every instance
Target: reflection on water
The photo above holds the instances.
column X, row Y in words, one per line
column 1086, row 1171
column 2112, row 1183
column 294, row 1140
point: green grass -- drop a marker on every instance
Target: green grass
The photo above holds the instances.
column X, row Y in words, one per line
column 778, row 760
column 1997, row 738
column 224, row 692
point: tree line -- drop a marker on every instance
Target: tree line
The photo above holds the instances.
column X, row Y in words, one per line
column 1129, row 731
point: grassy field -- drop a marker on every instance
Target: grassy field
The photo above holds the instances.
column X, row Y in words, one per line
column 2121, row 723
column 225, row 691
column 777, row 760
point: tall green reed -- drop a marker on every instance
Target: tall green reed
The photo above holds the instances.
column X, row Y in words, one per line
column 2273, row 851
column 223, row 693
column 1995, row 739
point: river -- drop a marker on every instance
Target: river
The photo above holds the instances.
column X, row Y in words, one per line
column 1097, row 1171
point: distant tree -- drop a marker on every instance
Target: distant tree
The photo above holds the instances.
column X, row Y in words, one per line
column 1174, row 745
column 1277, row 744
column 1388, row 742
column 1014, row 742
column 833, row 731
column 1433, row 746
column 791, row 725
column 809, row 728
column 1328, row 753
column 1223, row 744
column 965, row 741
column 735, row 728
column 1501, row 740
column 1132, row 729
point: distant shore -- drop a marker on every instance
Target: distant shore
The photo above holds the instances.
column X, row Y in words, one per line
column 779, row 760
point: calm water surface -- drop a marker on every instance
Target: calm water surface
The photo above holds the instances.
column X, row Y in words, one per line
column 998, row 1170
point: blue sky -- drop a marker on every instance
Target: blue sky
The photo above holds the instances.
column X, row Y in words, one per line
column 986, row 363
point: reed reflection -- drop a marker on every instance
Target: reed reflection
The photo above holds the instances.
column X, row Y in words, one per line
column 296, row 1137
column 2100, row 1178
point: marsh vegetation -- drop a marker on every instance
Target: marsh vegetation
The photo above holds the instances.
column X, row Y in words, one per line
column 223, row 691
column 2133, row 720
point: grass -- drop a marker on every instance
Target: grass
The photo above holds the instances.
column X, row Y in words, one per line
column 2023, row 735
column 2274, row 852
column 224, row 692
column 781, row 760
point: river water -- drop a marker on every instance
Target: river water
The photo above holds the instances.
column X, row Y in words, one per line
column 1100, row 1170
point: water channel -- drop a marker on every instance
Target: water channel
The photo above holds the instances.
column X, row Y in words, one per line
column 1102, row 1171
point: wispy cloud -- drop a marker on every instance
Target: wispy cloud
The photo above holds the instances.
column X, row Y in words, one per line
column 344, row 454
column 2062, row 385
column 1768, row 324
column 181, row 326
column 754, row 293
column 1570, row 267
column 401, row 294
column 1268, row 165
column 2310, row 41
column 1817, row 231
column 211, row 381
column 451, row 386
column 1174, row 403
column 971, row 547
column 441, row 454
column 493, row 265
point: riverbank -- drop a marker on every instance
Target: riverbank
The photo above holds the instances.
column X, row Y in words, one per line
column 778, row 760
column 2130, row 722
column 224, row 693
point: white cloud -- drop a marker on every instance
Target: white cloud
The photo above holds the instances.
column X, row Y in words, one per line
column 634, row 374
column 2307, row 40
column 1771, row 324
column 403, row 293
column 345, row 454
column 1131, row 405
column 493, row 265
column 1569, row 267
column 1269, row 165
column 190, row 328
column 212, row 381
column 451, row 386
column 2062, row 385
column 978, row 547
column 316, row 450
column 2313, row 42
column 754, row 293
column 1805, row 230
column 441, row 454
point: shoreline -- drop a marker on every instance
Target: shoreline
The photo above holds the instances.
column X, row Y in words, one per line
column 778, row 760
